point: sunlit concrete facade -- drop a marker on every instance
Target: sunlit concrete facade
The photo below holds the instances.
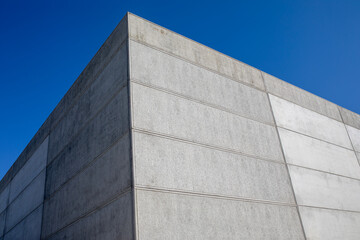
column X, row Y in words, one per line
column 161, row 137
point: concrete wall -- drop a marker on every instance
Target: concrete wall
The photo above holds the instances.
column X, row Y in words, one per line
column 78, row 184
column 222, row 150
column 163, row 138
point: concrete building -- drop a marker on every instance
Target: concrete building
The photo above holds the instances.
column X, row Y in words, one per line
column 161, row 137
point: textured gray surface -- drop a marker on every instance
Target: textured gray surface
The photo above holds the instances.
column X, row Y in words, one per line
column 300, row 97
column 330, row 224
column 354, row 135
column 26, row 202
column 2, row 222
column 27, row 229
column 350, row 118
column 103, row 180
column 169, row 164
column 313, row 188
column 291, row 116
column 168, row 41
column 168, row 114
column 175, row 216
column 113, row 221
column 29, row 171
column 106, row 128
column 4, row 196
column 155, row 68
column 312, row 153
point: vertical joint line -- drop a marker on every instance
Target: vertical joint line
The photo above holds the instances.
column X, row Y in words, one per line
column 283, row 154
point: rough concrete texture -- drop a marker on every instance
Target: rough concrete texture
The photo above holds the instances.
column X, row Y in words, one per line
column 308, row 152
column 300, row 97
column 168, row 114
column 161, row 70
column 350, row 118
column 330, row 224
column 354, row 135
column 161, row 137
column 160, row 163
column 291, row 116
column 318, row 189
column 176, row 216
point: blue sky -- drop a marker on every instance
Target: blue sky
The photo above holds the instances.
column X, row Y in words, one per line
column 46, row 44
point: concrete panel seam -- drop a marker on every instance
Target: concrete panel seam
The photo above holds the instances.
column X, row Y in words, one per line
column 318, row 170
column 211, row 49
column 175, row 138
column 211, row 195
column 132, row 151
column 287, row 168
column 102, row 205
column 315, row 138
column 55, row 123
column 224, row 109
column 36, row 207
column 230, row 78
column 86, row 166
column 43, row 206
column 10, row 202
column 326, row 208
column 198, row 65
column 88, row 122
column 347, row 132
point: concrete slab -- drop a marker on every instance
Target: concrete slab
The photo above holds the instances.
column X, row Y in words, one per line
column 29, row 171
column 27, row 229
column 354, row 135
column 168, row 114
column 26, row 202
column 2, row 222
column 4, row 195
column 114, row 221
column 312, row 153
column 301, row 97
column 168, row 41
column 106, row 128
column 329, row 224
column 350, row 118
column 103, row 180
column 110, row 80
column 182, row 217
column 169, row 164
column 152, row 67
column 291, row 116
column 318, row 189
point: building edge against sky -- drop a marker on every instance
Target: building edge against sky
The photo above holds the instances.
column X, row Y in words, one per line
column 288, row 135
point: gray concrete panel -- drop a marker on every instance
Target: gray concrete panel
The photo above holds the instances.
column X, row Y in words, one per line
column 169, row 164
column 354, row 135
column 182, row 217
column 312, row 153
column 329, row 224
column 358, row 156
column 301, row 97
column 108, row 83
column 168, row 114
column 110, row 125
column 168, row 41
column 29, row 171
column 318, row 189
column 107, row 177
column 4, row 196
column 26, row 202
column 156, row 68
column 114, row 221
column 2, row 222
column 350, row 118
column 27, row 229
column 299, row 119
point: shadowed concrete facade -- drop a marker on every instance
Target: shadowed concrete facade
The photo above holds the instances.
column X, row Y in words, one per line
column 161, row 137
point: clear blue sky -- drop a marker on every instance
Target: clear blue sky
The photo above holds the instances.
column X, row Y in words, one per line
column 46, row 44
